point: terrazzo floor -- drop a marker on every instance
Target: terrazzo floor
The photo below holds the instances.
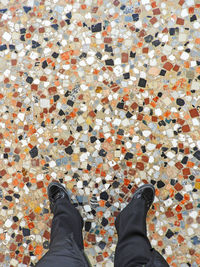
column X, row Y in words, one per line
column 103, row 96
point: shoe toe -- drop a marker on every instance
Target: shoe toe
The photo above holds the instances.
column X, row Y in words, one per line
column 149, row 193
column 56, row 190
column 146, row 192
column 53, row 190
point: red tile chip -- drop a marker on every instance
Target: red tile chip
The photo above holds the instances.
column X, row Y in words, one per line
column 194, row 113
column 180, row 21
column 168, row 66
column 186, row 128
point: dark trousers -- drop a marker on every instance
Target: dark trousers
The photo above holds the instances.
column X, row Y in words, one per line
column 66, row 245
column 133, row 245
column 133, row 248
column 66, row 220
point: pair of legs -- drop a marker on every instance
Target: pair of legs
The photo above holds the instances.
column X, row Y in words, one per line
column 133, row 248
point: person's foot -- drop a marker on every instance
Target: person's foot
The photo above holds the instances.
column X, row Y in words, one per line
column 146, row 192
column 56, row 191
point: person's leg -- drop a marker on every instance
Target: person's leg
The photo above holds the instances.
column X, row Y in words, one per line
column 133, row 245
column 66, row 220
column 134, row 248
column 66, row 243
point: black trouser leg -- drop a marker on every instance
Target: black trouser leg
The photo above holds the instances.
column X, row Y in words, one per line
column 133, row 247
column 66, row 245
column 66, row 220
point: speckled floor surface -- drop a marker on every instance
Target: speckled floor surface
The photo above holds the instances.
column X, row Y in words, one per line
column 103, row 96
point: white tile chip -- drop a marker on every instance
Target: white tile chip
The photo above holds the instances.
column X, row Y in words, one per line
column 195, row 85
column 8, row 223
column 6, row 36
column 45, row 103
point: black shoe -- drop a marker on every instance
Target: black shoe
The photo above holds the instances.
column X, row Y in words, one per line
column 56, row 191
column 147, row 192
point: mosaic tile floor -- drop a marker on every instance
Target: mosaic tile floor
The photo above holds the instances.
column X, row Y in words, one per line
column 103, row 96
